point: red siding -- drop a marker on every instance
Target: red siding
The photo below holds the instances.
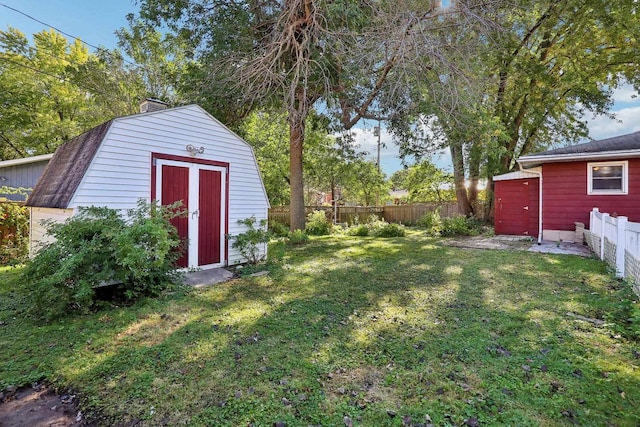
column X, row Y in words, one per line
column 565, row 199
column 516, row 207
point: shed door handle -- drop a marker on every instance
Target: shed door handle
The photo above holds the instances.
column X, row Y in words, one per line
column 195, row 214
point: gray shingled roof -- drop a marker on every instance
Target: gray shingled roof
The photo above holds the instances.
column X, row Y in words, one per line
column 65, row 170
column 617, row 143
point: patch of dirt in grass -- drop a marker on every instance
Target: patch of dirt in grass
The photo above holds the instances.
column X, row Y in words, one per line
column 363, row 383
column 38, row 406
column 492, row 242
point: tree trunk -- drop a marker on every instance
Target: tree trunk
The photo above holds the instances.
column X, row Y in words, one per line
column 489, row 210
column 474, row 174
column 296, row 140
column 458, row 178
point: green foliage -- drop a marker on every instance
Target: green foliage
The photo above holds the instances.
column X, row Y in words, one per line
column 22, row 191
column 377, row 227
column 318, row 224
column 425, row 182
column 276, row 249
column 297, row 237
column 52, row 90
column 160, row 57
column 278, row 229
column 624, row 318
column 384, row 229
column 432, row 222
column 268, row 134
column 14, row 233
column 358, row 230
column 101, row 246
column 368, row 185
column 249, row 243
column 327, row 163
column 460, row 225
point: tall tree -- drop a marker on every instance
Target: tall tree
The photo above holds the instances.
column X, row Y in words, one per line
column 294, row 53
column 368, row 185
column 327, row 163
column 161, row 59
column 52, row 90
column 425, row 182
column 41, row 107
column 550, row 64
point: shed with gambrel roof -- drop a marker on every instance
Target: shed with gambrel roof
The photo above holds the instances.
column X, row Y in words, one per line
column 178, row 154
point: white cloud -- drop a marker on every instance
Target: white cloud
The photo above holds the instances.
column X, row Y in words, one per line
column 625, row 94
column 627, row 121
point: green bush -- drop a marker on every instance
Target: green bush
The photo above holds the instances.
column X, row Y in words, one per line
column 248, row 243
column 14, row 233
column 101, row 246
column 278, row 229
column 432, row 222
column 297, row 237
column 358, row 230
column 318, row 224
column 376, row 227
column 460, row 226
column 388, row 230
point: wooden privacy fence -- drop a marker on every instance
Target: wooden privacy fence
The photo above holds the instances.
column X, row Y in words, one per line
column 617, row 242
column 404, row 214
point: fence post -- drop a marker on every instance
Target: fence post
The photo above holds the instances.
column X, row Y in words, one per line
column 592, row 216
column 603, row 223
column 621, row 244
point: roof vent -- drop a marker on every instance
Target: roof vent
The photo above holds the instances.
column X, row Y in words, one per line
column 150, row 105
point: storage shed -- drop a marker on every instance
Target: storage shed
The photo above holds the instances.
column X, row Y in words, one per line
column 517, row 204
column 168, row 155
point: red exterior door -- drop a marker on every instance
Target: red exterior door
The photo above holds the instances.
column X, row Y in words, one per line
column 175, row 187
column 202, row 189
column 209, row 220
column 516, row 207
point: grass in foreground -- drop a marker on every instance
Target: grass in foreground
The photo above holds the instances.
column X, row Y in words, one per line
column 384, row 332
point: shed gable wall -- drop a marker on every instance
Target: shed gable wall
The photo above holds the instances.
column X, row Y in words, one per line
column 565, row 199
column 120, row 173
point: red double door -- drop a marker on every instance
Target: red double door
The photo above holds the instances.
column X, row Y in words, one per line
column 201, row 190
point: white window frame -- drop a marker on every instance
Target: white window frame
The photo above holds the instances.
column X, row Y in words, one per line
column 625, row 179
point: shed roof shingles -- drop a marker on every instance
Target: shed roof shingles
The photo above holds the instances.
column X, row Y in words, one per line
column 65, row 170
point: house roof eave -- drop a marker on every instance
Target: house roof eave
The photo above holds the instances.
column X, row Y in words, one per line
column 530, row 161
column 25, row 160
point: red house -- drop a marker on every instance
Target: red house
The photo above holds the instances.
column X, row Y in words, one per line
column 555, row 189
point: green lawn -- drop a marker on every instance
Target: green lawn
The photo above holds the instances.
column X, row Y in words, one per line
column 383, row 331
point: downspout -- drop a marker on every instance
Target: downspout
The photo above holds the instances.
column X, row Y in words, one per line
column 539, row 201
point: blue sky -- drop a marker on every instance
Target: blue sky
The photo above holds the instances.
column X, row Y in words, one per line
column 96, row 21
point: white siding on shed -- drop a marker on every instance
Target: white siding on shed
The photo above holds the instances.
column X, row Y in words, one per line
column 120, row 173
column 38, row 234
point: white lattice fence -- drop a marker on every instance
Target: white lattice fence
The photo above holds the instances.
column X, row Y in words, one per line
column 616, row 241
